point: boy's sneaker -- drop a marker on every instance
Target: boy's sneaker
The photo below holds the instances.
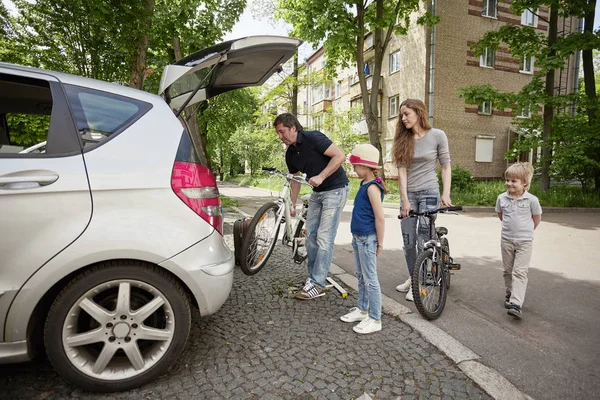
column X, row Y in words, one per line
column 310, row 291
column 404, row 287
column 515, row 311
column 368, row 325
column 507, row 301
column 354, row 315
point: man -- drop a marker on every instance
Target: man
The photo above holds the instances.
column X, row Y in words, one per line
column 313, row 153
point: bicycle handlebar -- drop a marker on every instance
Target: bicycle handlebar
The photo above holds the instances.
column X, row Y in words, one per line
column 290, row 177
column 411, row 213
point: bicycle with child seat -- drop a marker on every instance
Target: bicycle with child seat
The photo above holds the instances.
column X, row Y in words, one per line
column 431, row 275
column 263, row 230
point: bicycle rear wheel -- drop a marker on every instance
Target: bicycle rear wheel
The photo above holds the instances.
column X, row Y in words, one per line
column 299, row 246
column 260, row 239
column 429, row 286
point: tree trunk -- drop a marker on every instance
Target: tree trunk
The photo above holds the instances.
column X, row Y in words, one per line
column 548, row 109
column 294, row 109
column 138, row 68
column 589, row 81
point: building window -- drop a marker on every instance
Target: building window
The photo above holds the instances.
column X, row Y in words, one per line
column 321, row 92
column 394, row 62
column 485, row 108
column 526, row 65
column 353, row 79
column 317, row 122
column 484, row 148
column 487, row 58
column 525, row 112
column 529, row 18
column 394, row 103
column 489, row 8
column 389, row 148
column 338, row 89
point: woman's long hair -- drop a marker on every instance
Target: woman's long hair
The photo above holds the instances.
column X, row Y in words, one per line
column 404, row 140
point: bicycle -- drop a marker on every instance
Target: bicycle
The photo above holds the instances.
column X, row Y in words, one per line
column 431, row 274
column 263, row 230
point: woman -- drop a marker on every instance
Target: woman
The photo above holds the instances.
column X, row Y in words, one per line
column 417, row 149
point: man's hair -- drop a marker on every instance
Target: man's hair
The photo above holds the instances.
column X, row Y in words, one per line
column 522, row 171
column 288, row 120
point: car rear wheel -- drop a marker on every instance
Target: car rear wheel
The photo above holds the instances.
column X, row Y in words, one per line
column 117, row 326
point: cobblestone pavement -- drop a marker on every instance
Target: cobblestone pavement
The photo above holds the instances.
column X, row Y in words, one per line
column 264, row 344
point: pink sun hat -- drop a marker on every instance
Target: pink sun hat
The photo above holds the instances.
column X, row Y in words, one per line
column 366, row 155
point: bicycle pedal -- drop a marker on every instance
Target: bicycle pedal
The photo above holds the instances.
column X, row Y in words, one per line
column 454, row 267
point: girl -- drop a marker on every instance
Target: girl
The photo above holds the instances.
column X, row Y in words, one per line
column 367, row 227
column 417, row 149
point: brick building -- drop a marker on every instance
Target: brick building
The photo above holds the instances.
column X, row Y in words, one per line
column 432, row 64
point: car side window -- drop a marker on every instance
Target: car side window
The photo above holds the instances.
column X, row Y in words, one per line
column 25, row 110
column 101, row 115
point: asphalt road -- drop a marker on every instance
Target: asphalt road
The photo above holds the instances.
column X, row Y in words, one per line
column 553, row 352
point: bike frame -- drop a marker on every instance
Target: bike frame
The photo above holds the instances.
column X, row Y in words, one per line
column 285, row 203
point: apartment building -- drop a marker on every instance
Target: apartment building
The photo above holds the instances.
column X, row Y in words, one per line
column 432, row 64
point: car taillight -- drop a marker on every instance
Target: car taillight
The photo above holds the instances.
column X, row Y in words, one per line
column 196, row 186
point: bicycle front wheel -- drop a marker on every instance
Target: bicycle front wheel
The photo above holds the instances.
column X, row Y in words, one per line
column 446, row 259
column 260, row 239
column 429, row 286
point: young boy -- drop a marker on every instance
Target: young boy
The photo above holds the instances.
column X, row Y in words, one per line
column 520, row 213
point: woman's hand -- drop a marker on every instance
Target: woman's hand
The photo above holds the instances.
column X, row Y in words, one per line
column 405, row 209
column 445, row 200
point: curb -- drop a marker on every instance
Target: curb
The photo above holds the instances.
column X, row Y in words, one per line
column 490, row 380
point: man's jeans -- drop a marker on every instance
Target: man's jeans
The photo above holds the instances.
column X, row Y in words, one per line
column 420, row 201
column 369, row 291
column 322, row 221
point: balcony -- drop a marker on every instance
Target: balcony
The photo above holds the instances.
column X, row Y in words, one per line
column 355, row 88
column 321, row 106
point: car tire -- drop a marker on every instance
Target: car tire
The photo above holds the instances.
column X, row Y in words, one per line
column 117, row 326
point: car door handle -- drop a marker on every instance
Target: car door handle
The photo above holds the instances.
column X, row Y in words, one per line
column 27, row 179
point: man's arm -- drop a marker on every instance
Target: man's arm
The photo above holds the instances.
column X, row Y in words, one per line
column 337, row 159
column 295, row 190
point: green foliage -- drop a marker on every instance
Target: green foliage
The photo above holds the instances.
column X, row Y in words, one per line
column 337, row 125
column 26, row 129
column 462, row 180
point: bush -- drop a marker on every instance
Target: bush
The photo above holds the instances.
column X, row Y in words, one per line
column 461, row 179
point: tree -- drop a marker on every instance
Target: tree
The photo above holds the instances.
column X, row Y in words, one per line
column 226, row 114
column 550, row 53
column 341, row 25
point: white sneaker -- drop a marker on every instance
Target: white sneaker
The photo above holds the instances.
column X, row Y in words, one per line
column 404, row 287
column 368, row 325
column 409, row 295
column 354, row 315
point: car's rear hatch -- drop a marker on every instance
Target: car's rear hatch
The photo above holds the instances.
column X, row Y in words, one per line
column 226, row 66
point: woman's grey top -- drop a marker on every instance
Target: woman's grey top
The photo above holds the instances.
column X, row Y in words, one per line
column 429, row 149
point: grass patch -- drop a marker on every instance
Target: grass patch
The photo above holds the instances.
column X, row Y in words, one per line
column 479, row 194
column 229, row 202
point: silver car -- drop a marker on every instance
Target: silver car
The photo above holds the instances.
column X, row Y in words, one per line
column 110, row 225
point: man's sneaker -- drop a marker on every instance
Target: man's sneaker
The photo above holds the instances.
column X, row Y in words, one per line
column 409, row 295
column 507, row 301
column 515, row 311
column 368, row 325
column 310, row 291
column 404, row 287
column 354, row 315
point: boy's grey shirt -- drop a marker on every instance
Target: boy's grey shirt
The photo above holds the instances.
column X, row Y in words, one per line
column 428, row 149
column 517, row 221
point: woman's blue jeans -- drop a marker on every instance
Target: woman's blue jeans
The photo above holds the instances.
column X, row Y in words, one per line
column 369, row 291
column 420, row 201
column 324, row 214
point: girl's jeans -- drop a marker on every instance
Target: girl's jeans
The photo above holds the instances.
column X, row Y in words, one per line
column 369, row 291
column 420, row 201
column 322, row 221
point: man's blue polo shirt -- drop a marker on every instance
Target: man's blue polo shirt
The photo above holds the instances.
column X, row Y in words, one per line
column 307, row 156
